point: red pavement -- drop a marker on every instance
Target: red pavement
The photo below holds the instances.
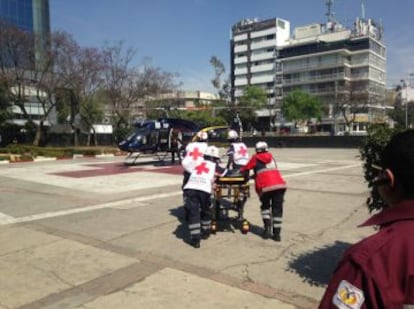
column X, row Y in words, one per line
column 119, row 168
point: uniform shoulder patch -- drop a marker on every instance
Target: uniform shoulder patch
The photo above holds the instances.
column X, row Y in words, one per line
column 348, row 296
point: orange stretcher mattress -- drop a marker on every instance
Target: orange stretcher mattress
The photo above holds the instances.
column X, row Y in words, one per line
column 232, row 180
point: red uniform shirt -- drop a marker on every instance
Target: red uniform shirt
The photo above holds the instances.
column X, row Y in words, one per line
column 267, row 175
column 377, row 272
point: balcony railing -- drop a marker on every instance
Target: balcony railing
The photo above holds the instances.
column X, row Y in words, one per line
column 262, row 56
column 316, row 78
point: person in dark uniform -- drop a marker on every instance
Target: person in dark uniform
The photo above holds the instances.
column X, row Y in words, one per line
column 237, row 125
column 198, row 189
column 378, row 272
column 270, row 187
column 176, row 145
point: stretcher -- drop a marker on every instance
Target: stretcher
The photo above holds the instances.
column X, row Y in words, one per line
column 230, row 194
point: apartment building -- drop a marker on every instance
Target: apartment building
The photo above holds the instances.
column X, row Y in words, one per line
column 253, row 48
column 328, row 60
column 339, row 65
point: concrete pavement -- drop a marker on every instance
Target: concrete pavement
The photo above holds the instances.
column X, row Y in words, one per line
column 94, row 233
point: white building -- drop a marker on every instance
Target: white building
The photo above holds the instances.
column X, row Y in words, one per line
column 253, row 47
column 326, row 60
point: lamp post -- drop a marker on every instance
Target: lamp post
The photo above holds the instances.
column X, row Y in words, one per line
column 406, row 84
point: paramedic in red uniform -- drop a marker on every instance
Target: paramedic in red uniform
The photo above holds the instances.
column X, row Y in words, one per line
column 270, row 187
column 378, row 272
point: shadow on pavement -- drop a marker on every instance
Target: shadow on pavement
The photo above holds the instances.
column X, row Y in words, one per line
column 316, row 267
column 181, row 231
column 229, row 225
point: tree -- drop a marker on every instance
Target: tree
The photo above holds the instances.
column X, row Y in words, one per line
column 370, row 151
column 300, row 107
column 4, row 106
column 91, row 112
column 398, row 113
column 16, row 63
column 253, row 98
column 151, row 82
column 82, row 70
column 27, row 78
column 223, row 88
column 49, row 78
column 89, row 81
column 353, row 98
column 119, row 82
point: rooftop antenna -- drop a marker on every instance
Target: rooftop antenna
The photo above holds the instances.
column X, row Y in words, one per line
column 330, row 14
column 362, row 10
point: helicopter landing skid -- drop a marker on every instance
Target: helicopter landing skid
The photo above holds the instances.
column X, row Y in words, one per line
column 160, row 156
column 132, row 157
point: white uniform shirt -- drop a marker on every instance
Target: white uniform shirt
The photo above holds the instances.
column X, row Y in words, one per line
column 194, row 154
column 202, row 177
column 240, row 155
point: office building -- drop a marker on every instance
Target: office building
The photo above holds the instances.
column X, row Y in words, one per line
column 28, row 15
column 31, row 16
column 253, row 48
column 339, row 65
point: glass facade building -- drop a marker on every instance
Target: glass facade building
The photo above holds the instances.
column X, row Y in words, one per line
column 28, row 15
column 31, row 16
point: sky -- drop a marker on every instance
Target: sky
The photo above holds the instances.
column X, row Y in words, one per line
column 181, row 36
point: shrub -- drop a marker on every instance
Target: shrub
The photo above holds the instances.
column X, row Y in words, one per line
column 4, row 157
column 377, row 138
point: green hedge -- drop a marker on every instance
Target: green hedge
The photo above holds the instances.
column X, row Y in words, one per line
column 377, row 138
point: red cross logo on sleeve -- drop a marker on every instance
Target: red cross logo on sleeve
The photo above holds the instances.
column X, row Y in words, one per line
column 202, row 168
column 242, row 151
column 195, row 153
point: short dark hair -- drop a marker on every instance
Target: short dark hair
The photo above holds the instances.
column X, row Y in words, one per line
column 398, row 156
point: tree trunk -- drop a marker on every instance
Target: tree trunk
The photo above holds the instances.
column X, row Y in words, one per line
column 39, row 134
column 88, row 141
column 75, row 136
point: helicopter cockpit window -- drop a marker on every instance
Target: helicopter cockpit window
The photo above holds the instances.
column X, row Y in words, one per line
column 130, row 136
column 212, row 134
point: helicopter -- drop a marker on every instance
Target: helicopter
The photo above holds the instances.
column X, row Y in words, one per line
column 162, row 137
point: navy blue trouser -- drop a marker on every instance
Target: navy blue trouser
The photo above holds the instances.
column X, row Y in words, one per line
column 198, row 207
column 272, row 209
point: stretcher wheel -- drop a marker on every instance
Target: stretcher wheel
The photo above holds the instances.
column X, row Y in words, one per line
column 245, row 227
column 213, row 227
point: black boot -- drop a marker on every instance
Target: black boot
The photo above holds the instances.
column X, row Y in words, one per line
column 276, row 234
column 267, row 232
column 205, row 234
column 276, row 238
column 195, row 242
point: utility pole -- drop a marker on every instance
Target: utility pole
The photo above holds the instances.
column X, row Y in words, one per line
column 406, row 84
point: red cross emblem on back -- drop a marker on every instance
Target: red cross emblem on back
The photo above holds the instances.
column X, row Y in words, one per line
column 242, row 151
column 202, row 168
column 195, row 153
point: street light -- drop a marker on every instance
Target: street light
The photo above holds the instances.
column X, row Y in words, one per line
column 405, row 85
